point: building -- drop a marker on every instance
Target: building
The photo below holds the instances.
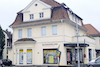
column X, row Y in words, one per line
column 96, row 35
column 43, row 27
column 8, row 43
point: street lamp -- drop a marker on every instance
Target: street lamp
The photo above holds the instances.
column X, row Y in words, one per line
column 77, row 44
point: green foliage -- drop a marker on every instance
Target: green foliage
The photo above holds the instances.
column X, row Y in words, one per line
column 90, row 36
column 2, row 41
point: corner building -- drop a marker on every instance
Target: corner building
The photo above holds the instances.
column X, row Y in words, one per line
column 43, row 27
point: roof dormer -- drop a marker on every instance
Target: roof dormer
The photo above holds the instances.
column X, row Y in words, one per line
column 36, row 10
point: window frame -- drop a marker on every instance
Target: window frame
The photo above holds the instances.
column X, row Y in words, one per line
column 41, row 15
column 20, row 33
column 31, row 16
column 29, row 32
column 27, row 58
column 43, row 33
column 19, row 56
column 53, row 30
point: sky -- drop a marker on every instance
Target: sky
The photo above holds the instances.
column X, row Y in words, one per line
column 88, row 10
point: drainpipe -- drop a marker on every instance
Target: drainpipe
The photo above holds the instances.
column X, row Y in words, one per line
column 63, row 29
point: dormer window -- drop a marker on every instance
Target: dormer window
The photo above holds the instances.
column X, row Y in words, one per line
column 41, row 15
column 31, row 16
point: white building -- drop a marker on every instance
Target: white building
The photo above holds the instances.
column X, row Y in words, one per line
column 42, row 27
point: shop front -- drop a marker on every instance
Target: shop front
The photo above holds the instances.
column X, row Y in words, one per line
column 71, row 52
column 50, row 56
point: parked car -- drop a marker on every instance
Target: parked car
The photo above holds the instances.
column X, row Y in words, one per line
column 5, row 62
column 94, row 63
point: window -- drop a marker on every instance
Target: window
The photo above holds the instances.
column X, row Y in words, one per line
column 29, row 32
column 20, row 33
column 21, row 56
column 41, row 15
column 54, row 30
column 43, row 31
column 8, row 44
column 35, row 4
column 31, row 16
column 29, row 56
column 50, row 56
column 73, row 17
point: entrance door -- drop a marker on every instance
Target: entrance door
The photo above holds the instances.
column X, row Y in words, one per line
column 90, row 54
column 69, row 56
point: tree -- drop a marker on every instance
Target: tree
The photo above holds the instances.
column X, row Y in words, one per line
column 2, row 41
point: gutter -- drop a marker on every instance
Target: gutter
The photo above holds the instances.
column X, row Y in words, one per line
column 50, row 22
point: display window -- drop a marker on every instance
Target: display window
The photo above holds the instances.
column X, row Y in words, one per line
column 21, row 56
column 80, row 55
column 29, row 56
column 50, row 56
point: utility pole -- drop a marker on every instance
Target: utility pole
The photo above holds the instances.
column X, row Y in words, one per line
column 77, row 45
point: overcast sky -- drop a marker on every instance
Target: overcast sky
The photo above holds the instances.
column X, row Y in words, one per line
column 88, row 10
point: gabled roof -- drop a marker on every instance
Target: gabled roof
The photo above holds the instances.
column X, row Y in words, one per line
column 52, row 3
column 8, row 34
column 91, row 29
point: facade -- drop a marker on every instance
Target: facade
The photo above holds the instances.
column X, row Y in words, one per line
column 8, row 43
column 42, row 28
column 96, row 35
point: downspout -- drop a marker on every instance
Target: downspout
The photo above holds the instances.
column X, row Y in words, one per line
column 63, row 29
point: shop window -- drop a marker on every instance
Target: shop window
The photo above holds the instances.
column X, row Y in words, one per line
column 29, row 56
column 80, row 55
column 21, row 56
column 50, row 56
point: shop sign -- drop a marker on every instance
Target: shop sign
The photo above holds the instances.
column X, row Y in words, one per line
column 49, row 44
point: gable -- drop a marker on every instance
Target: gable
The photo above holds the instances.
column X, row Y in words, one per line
column 39, row 4
column 33, row 10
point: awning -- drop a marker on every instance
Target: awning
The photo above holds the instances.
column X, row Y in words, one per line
column 24, row 41
column 75, row 45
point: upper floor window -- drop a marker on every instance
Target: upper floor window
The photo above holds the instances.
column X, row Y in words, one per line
column 20, row 33
column 8, row 44
column 41, row 15
column 73, row 16
column 29, row 32
column 43, row 31
column 31, row 16
column 54, row 30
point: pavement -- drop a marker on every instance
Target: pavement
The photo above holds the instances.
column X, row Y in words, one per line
column 82, row 65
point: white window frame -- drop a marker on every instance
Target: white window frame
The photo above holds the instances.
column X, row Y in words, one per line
column 31, row 16
column 41, row 15
column 21, row 62
column 29, row 32
column 31, row 57
column 43, row 31
column 54, row 30
column 20, row 33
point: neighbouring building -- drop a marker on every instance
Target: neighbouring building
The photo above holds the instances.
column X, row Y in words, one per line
column 43, row 27
column 8, row 43
column 96, row 35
